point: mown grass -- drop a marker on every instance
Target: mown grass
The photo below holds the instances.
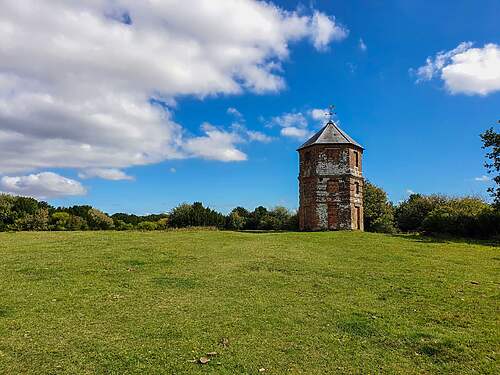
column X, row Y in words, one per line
column 310, row 303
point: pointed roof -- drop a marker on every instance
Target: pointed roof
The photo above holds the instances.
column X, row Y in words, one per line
column 330, row 134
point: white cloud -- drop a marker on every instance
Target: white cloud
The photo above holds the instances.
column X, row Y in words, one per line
column 319, row 115
column 216, row 144
column 409, row 191
column 362, row 45
column 105, row 173
column 297, row 124
column 286, row 120
column 258, row 136
column 244, row 134
column 77, row 78
column 466, row 70
column 292, row 124
column 42, row 185
column 234, row 112
column 294, row 132
column 173, row 170
column 482, row 178
column 325, row 30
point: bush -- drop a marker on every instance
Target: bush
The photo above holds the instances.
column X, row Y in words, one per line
column 162, row 224
column 460, row 217
column 121, row 225
column 60, row 220
column 411, row 213
column 147, row 226
column 77, row 223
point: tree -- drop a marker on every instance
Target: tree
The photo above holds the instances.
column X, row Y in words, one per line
column 491, row 139
column 6, row 213
column 195, row 215
column 378, row 211
column 39, row 220
column 458, row 216
column 256, row 218
column 235, row 221
column 99, row 220
column 411, row 213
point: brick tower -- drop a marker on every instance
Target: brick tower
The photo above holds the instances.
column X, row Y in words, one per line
column 330, row 181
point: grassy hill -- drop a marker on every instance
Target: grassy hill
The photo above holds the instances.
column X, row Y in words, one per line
column 310, row 303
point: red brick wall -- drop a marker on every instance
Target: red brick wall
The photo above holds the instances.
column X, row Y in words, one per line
column 327, row 188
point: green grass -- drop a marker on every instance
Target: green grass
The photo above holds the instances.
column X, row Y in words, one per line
column 309, row 303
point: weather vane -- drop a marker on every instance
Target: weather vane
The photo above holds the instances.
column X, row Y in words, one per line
column 330, row 113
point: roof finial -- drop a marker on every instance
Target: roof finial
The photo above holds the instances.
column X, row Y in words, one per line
column 330, row 113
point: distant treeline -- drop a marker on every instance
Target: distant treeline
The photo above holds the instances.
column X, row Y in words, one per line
column 431, row 214
column 25, row 214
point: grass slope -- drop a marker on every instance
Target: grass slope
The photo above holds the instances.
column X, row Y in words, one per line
column 310, row 303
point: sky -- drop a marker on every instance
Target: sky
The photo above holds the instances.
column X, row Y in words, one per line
column 139, row 106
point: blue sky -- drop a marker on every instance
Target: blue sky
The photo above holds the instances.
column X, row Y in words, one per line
column 420, row 129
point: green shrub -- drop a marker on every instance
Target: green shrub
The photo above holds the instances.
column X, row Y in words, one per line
column 411, row 213
column 459, row 217
column 147, row 225
column 60, row 220
column 121, row 225
column 77, row 223
column 162, row 224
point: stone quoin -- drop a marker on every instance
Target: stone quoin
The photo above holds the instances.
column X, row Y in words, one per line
column 330, row 181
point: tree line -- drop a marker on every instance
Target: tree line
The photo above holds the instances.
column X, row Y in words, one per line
column 431, row 214
column 28, row 214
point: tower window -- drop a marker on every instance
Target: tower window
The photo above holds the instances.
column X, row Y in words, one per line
column 356, row 185
column 307, row 156
column 356, row 159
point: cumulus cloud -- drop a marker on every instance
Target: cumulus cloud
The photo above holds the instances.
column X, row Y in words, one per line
column 294, row 132
column 105, row 173
column 216, row 144
column 258, row 136
column 465, row 70
column 91, row 84
column 324, row 30
column 298, row 124
column 286, row 120
column 42, row 185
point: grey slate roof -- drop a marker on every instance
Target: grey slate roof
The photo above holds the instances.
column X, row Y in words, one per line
column 330, row 134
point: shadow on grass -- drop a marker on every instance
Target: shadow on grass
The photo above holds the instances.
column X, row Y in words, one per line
column 447, row 239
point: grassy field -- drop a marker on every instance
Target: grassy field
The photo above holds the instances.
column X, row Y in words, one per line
column 309, row 303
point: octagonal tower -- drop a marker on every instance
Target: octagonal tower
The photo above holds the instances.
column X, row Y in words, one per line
column 330, row 181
